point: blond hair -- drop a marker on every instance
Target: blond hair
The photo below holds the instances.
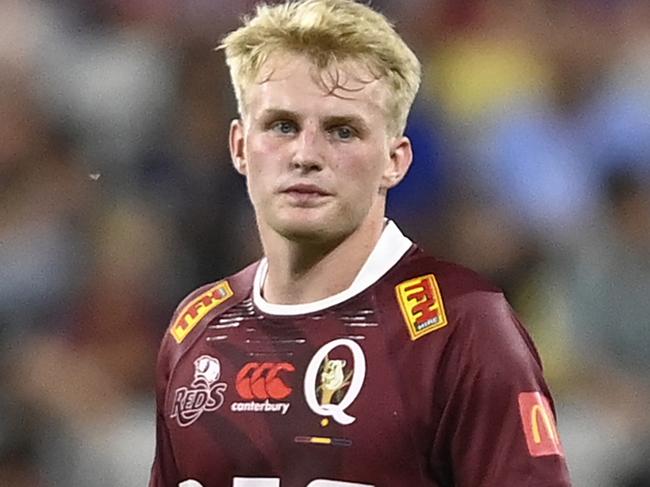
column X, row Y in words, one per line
column 327, row 32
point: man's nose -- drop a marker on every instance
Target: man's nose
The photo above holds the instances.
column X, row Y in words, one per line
column 308, row 152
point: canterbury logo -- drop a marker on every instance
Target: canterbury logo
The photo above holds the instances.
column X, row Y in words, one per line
column 262, row 380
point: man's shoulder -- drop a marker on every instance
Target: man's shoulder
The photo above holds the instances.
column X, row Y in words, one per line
column 461, row 297
column 465, row 307
column 453, row 280
column 205, row 303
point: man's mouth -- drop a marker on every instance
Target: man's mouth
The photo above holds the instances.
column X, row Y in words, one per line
column 307, row 189
column 306, row 193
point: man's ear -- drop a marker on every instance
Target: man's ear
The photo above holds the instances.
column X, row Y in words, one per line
column 236, row 143
column 401, row 156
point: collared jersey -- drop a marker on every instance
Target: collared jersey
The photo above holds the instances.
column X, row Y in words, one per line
column 419, row 374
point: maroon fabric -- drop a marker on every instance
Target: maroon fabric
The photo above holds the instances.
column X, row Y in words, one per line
column 443, row 409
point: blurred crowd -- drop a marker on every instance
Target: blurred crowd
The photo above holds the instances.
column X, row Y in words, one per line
column 532, row 166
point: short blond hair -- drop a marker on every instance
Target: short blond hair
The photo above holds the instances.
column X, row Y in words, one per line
column 327, row 32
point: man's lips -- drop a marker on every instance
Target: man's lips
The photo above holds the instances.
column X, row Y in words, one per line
column 306, row 189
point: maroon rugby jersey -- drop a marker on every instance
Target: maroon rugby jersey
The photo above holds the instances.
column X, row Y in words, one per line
column 419, row 374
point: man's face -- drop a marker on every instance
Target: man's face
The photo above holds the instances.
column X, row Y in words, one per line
column 318, row 160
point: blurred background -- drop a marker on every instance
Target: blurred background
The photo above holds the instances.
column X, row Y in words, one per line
column 532, row 166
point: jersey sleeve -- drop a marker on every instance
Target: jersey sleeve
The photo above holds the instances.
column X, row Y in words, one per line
column 163, row 471
column 497, row 423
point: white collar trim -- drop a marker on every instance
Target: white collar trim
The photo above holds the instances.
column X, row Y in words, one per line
column 390, row 248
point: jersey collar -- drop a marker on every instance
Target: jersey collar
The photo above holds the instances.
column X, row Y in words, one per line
column 390, row 248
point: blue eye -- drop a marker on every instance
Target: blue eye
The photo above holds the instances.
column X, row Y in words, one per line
column 343, row 133
column 284, row 127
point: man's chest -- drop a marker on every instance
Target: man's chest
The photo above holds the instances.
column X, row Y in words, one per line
column 297, row 400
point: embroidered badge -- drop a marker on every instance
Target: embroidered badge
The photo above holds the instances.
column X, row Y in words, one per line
column 421, row 305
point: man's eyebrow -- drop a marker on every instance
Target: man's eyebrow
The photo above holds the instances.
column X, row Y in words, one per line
column 279, row 113
column 353, row 120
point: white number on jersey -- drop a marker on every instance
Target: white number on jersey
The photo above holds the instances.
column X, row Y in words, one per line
column 275, row 482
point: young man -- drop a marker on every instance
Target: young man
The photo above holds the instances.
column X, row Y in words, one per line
column 346, row 356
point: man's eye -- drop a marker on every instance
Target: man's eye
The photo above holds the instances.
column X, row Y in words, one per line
column 283, row 127
column 343, row 133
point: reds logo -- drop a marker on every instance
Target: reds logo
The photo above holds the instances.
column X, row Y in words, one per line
column 205, row 394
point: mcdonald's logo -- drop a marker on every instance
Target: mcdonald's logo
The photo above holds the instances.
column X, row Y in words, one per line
column 539, row 425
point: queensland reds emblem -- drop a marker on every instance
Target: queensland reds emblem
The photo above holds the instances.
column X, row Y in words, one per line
column 332, row 385
column 205, row 394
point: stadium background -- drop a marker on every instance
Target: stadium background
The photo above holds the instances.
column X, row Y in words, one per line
column 532, row 139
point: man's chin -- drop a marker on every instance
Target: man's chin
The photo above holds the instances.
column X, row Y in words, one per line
column 309, row 231
column 306, row 233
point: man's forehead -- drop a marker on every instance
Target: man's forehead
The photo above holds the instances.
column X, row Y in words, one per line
column 289, row 78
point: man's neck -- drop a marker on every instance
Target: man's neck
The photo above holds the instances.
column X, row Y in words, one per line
column 302, row 273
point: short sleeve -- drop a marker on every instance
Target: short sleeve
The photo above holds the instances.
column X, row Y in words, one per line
column 496, row 421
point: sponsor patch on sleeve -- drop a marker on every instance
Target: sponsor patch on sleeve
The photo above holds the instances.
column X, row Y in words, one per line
column 421, row 305
column 539, row 425
column 198, row 308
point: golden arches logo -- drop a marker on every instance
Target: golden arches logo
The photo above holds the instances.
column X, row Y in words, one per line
column 538, row 411
column 539, row 425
